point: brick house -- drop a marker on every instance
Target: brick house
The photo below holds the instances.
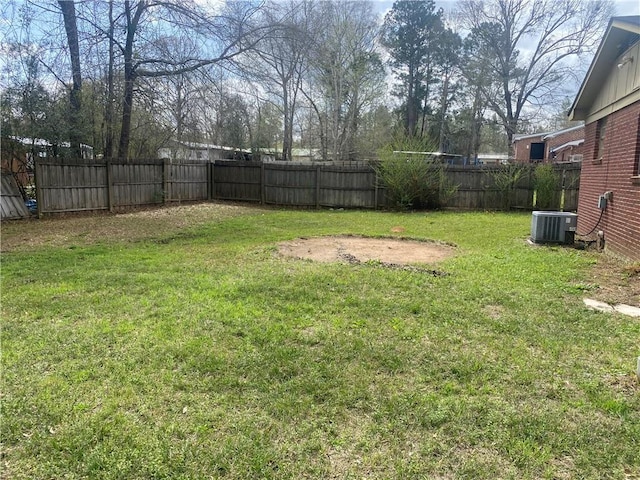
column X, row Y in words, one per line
column 560, row 146
column 609, row 103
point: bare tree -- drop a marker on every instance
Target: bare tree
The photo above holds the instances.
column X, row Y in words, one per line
column 69, row 15
column 527, row 46
column 346, row 71
column 226, row 33
column 279, row 62
column 126, row 48
column 108, row 111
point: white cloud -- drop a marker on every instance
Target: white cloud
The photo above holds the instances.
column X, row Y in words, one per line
column 627, row 7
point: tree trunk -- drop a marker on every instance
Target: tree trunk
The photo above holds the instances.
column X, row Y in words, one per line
column 411, row 114
column 108, row 113
column 129, row 77
column 443, row 111
column 127, row 109
column 287, row 137
column 322, row 127
column 71, row 27
column 510, row 127
column 179, row 109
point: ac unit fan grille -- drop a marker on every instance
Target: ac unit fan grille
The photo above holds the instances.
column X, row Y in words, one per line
column 551, row 229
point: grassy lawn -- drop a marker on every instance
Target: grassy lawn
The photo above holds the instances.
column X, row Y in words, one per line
column 191, row 350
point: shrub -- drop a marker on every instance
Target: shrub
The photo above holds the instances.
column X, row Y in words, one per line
column 505, row 178
column 413, row 180
column 545, row 183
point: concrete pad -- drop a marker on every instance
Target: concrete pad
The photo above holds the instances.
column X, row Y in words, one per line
column 597, row 305
column 627, row 310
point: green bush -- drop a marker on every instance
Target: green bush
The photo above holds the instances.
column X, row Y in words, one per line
column 545, row 184
column 413, row 180
column 505, row 179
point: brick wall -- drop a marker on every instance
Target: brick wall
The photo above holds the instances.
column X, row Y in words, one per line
column 577, row 134
column 521, row 148
column 621, row 220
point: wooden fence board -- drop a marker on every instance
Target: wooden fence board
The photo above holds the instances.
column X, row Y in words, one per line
column 240, row 181
column 188, row 181
column 295, row 185
column 70, row 187
column 137, row 184
column 77, row 186
column 347, row 187
column 11, row 202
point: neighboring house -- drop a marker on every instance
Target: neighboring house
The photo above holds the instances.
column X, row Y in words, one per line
column 609, row 103
column 298, row 155
column 565, row 145
column 437, row 157
column 15, row 160
column 306, row 155
column 560, row 146
column 492, row 158
column 529, row 148
column 205, row 152
column 45, row 149
column 18, row 154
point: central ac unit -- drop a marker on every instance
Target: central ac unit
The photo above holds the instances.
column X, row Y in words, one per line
column 553, row 227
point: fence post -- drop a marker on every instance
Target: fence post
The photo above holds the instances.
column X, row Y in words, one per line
column 109, row 186
column 37, row 179
column 262, row 192
column 532, row 187
column 318, row 186
column 210, row 181
column 165, row 181
column 562, row 192
column 375, row 190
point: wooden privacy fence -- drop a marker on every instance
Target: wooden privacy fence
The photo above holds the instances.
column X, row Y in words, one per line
column 77, row 186
column 478, row 188
column 359, row 187
column 295, row 184
column 69, row 186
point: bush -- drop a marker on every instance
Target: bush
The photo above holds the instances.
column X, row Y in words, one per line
column 545, row 184
column 505, row 179
column 413, row 180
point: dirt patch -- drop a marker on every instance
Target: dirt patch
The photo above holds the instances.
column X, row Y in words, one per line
column 348, row 249
column 614, row 281
column 494, row 311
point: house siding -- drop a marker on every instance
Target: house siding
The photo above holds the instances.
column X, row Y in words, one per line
column 621, row 219
column 621, row 83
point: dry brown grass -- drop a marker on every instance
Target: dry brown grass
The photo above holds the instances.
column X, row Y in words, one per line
column 133, row 226
column 615, row 281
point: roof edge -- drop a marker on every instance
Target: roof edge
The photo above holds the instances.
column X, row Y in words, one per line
column 564, row 130
column 630, row 23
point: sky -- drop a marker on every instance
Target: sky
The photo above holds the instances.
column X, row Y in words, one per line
column 627, row 7
column 580, row 65
column 623, row 7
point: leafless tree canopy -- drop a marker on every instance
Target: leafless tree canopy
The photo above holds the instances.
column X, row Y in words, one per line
column 336, row 78
column 526, row 47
